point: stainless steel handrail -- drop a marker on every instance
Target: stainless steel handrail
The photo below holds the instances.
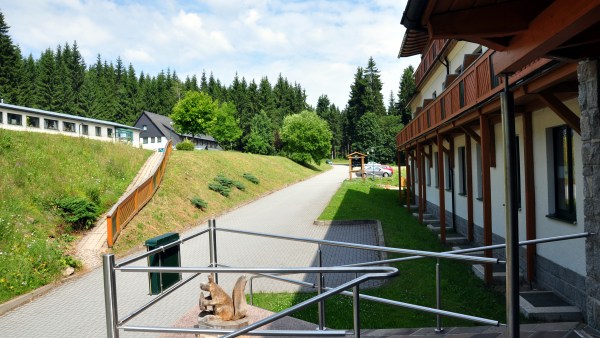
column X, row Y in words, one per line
column 370, row 247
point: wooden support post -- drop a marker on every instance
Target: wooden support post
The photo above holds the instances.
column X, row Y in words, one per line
column 442, row 188
column 408, row 186
column 419, row 162
column 469, row 177
column 530, row 221
column 486, row 144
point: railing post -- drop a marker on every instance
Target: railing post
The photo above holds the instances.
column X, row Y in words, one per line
column 320, row 285
column 110, row 295
column 438, row 296
column 212, row 243
column 356, row 310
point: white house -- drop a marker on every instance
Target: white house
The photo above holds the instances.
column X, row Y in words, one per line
column 21, row 118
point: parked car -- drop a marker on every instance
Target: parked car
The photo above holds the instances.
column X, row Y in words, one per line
column 329, row 161
column 375, row 170
column 383, row 166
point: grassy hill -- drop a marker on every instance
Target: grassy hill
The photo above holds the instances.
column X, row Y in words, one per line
column 188, row 175
column 38, row 171
column 41, row 170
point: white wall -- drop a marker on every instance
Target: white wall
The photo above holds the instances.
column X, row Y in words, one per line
column 153, row 146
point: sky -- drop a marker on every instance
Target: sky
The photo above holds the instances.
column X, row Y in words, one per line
column 316, row 43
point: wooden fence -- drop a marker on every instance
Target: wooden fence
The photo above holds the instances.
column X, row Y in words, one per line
column 128, row 206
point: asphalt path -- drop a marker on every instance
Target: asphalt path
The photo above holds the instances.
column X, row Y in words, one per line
column 76, row 308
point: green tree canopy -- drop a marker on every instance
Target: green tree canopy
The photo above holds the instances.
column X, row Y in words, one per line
column 306, row 136
column 261, row 137
column 194, row 113
column 224, row 126
column 405, row 93
column 369, row 136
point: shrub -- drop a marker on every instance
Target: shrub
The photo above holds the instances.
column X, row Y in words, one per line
column 186, row 145
column 80, row 212
column 199, row 203
column 221, row 189
column 224, row 180
column 239, row 185
column 251, row 178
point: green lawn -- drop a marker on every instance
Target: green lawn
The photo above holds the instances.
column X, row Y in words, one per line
column 462, row 291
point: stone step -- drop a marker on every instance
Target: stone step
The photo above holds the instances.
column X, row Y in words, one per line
column 413, row 207
column 434, row 228
column 548, row 307
column 431, row 221
column 498, row 273
column 454, row 239
column 416, row 214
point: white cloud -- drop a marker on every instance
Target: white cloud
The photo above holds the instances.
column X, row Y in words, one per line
column 316, row 43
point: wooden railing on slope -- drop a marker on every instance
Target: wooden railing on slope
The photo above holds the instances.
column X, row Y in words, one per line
column 124, row 210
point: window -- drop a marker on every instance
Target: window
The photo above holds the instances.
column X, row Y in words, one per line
column 435, row 170
column 84, row 129
column 1, row 115
column 462, row 172
column 152, row 139
column 479, row 172
column 33, row 122
column 448, row 172
column 144, row 127
column 14, row 119
column 434, row 95
column 145, row 140
column 158, row 139
column 51, row 124
column 69, row 127
column 98, row 131
column 564, row 178
column 109, row 132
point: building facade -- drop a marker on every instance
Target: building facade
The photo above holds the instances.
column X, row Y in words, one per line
column 539, row 62
column 157, row 130
column 21, row 118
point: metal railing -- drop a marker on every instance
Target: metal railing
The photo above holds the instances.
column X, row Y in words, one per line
column 367, row 269
column 128, row 206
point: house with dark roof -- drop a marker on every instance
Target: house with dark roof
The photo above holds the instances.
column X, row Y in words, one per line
column 20, row 118
column 157, row 130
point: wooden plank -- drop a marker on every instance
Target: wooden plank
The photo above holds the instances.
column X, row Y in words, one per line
column 471, row 134
column 559, row 22
column 561, row 110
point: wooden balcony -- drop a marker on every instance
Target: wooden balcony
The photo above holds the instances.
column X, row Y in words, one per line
column 476, row 84
column 429, row 58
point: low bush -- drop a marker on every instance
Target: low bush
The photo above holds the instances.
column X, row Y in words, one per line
column 239, row 185
column 218, row 187
column 186, row 145
column 79, row 212
column 251, row 178
column 224, row 180
column 199, row 203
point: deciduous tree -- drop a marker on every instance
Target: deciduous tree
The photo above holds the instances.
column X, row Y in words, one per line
column 306, row 137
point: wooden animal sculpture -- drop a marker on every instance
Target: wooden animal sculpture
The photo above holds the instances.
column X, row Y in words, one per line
column 219, row 304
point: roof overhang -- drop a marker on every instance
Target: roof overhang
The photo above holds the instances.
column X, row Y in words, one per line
column 520, row 31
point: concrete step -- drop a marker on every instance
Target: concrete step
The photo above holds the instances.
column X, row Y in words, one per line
column 432, row 221
column 434, row 228
column 583, row 331
column 425, row 216
column 454, row 239
column 546, row 306
column 413, row 207
column 461, row 247
column 498, row 273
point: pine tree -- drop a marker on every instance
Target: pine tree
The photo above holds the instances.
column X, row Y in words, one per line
column 406, row 91
column 10, row 65
column 391, row 104
column 356, row 104
column 373, row 96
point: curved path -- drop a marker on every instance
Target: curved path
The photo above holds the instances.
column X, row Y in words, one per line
column 76, row 308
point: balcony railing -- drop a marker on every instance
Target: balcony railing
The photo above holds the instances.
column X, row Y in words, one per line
column 429, row 59
column 476, row 84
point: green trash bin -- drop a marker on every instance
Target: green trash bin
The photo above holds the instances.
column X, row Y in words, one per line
column 171, row 257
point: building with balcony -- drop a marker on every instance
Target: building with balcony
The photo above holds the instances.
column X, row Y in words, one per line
column 504, row 141
column 21, row 118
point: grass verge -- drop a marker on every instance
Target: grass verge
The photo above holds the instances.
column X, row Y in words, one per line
column 188, row 176
column 462, row 291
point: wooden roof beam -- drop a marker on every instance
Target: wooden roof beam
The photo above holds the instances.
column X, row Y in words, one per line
column 471, row 133
column 558, row 23
column 561, row 110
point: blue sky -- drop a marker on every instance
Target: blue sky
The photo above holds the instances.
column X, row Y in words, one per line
column 316, row 43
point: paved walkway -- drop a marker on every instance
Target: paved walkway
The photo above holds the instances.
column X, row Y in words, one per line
column 93, row 244
column 76, row 308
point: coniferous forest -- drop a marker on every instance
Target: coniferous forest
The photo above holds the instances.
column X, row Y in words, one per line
column 60, row 80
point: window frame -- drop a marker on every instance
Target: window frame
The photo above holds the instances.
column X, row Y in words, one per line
column 67, row 129
column 99, row 131
column 10, row 121
column 109, row 132
column 29, row 121
column 569, row 213
column 462, row 172
column 85, row 130
column 48, row 126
